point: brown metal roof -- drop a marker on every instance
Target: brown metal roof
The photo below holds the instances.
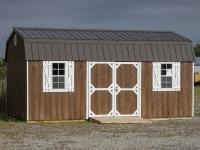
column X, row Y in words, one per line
column 99, row 34
column 104, row 45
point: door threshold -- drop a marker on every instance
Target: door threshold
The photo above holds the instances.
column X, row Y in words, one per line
column 120, row 120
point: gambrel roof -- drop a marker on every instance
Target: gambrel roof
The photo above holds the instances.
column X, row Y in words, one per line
column 104, row 45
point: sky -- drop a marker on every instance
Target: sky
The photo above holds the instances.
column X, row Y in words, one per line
column 180, row 16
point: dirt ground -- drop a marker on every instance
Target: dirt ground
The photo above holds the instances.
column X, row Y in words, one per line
column 166, row 135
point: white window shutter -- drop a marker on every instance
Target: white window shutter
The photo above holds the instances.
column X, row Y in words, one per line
column 176, row 76
column 69, row 76
column 156, row 75
column 47, row 76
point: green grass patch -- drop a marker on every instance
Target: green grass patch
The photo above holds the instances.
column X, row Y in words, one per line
column 197, row 91
column 5, row 118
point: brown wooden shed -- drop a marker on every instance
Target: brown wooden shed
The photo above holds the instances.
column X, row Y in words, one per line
column 59, row 74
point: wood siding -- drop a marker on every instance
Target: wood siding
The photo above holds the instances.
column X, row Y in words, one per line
column 72, row 105
column 16, row 79
column 157, row 104
column 54, row 105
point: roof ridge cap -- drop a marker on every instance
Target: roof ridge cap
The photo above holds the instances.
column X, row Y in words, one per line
column 90, row 29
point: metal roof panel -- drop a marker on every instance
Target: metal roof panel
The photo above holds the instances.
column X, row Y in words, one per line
column 104, row 45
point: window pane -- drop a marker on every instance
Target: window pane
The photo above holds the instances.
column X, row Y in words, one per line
column 61, row 65
column 61, row 72
column 55, row 85
column 55, row 79
column 163, row 72
column 169, row 85
column 163, row 79
column 61, row 79
column 55, row 72
column 169, row 72
column 163, row 66
column 55, row 65
column 169, row 66
column 61, row 85
column 163, row 85
column 169, row 79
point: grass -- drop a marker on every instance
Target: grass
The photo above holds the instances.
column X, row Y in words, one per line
column 197, row 102
column 197, row 91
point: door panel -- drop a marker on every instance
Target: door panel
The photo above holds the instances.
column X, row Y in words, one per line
column 101, row 89
column 101, row 102
column 126, row 76
column 126, row 102
column 126, row 89
column 101, row 75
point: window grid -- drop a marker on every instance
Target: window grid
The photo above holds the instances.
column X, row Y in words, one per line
column 58, row 75
column 166, row 75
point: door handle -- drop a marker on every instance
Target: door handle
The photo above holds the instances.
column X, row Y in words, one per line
column 116, row 89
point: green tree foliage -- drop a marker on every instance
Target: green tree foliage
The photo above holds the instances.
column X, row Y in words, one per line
column 2, row 86
column 197, row 50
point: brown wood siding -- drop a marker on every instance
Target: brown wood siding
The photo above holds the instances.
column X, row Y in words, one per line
column 157, row 104
column 16, row 79
column 56, row 105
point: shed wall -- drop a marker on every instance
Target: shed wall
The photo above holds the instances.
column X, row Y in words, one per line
column 62, row 106
column 16, row 79
column 54, row 105
column 157, row 104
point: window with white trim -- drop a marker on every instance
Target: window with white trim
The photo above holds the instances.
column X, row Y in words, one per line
column 166, row 76
column 58, row 76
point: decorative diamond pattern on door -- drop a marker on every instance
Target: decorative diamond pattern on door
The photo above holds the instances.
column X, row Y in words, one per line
column 114, row 89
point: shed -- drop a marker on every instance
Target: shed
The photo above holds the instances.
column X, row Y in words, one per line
column 197, row 71
column 61, row 74
column 197, row 65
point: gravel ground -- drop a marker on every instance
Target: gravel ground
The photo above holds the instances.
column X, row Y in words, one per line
column 166, row 135
column 174, row 134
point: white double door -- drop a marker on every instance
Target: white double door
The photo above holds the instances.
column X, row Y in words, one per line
column 114, row 89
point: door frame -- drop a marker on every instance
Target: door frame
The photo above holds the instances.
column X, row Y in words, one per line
column 113, row 65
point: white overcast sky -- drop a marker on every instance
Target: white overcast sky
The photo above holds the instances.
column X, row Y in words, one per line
column 181, row 16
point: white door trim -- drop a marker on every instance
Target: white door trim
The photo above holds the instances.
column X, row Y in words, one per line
column 111, row 89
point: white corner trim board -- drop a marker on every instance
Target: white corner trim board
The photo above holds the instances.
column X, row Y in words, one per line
column 193, row 89
column 27, row 90
column 87, row 91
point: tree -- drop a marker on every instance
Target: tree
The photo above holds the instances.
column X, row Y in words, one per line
column 197, row 50
column 2, row 86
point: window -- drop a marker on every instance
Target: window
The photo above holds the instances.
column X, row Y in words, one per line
column 58, row 76
column 166, row 76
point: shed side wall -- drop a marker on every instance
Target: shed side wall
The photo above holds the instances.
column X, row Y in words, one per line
column 16, row 79
column 54, row 105
column 157, row 104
